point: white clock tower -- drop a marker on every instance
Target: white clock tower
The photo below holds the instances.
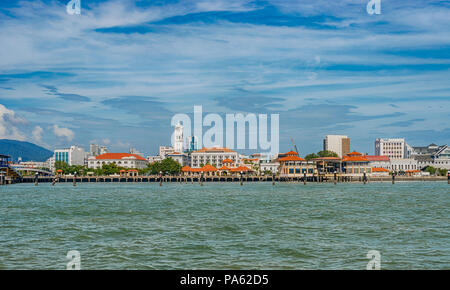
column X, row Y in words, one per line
column 178, row 138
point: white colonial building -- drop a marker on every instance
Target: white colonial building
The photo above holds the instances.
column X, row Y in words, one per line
column 213, row 156
column 125, row 160
column 404, row 164
column 181, row 158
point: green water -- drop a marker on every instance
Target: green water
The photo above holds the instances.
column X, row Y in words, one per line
column 225, row 226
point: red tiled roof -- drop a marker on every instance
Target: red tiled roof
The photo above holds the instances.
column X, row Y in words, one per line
column 354, row 159
column 290, row 153
column 224, row 168
column 354, row 153
column 378, row 169
column 227, row 161
column 116, row 156
column 240, row 168
column 377, row 157
column 186, row 169
column 208, row 167
column 291, row 158
column 213, row 149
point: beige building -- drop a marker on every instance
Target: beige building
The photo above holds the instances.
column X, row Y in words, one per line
column 213, row 156
column 125, row 160
column 337, row 143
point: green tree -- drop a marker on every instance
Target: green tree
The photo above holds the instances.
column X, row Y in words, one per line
column 443, row 172
column 311, row 156
column 327, row 153
column 431, row 170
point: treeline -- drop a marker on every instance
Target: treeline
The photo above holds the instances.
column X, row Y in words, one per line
column 166, row 166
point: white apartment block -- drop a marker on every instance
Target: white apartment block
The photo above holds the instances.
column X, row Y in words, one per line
column 164, row 150
column 72, row 156
column 394, row 148
column 213, row 156
column 337, row 143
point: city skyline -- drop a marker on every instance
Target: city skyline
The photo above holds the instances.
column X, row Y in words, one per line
column 117, row 73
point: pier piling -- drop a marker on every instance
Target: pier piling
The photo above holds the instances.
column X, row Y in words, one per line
column 304, row 178
column 36, row 179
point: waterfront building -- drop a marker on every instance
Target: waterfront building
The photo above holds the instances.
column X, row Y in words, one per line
column 380, row 171
column 72, row 156
column 164, row 150
column 291, row 165
column 432, row 155
column 125, row 160
column 181, row 158
column 355, row 163
column 152, row 159
column 328, row 165
column 394, row 148
column 337, row 143
column 404, row 164
column 213, row 156
column 269, row 166
column 376, row 161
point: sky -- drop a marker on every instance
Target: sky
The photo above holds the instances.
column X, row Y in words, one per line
column 117, row 73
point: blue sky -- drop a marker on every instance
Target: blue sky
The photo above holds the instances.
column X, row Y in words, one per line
column 118, row 72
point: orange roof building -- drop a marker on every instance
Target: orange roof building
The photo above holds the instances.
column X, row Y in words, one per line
column 126, row 160
column 379, row 169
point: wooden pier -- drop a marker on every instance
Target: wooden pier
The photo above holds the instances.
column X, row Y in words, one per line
column 244, row 179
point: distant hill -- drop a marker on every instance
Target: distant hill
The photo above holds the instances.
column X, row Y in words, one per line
column 28, row 151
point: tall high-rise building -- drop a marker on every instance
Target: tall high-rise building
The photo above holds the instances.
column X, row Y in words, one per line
column 94, row 150
column 103, row 150
column 192, row 142
column 337, row 143
column 178, row 138
column 395, row 148
column 72, row 156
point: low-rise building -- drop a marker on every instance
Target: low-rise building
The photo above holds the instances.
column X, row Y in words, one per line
column 376, row 161
column 164, row 150
column 181, row 158
column 213, row 156
column 291, row 165
column 404, row 164
column 355, row 163
column 432, row 155
column 125, row 160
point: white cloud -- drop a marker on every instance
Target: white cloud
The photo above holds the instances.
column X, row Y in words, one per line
column 63, row 132
column 37, row 134
column 8, row 124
